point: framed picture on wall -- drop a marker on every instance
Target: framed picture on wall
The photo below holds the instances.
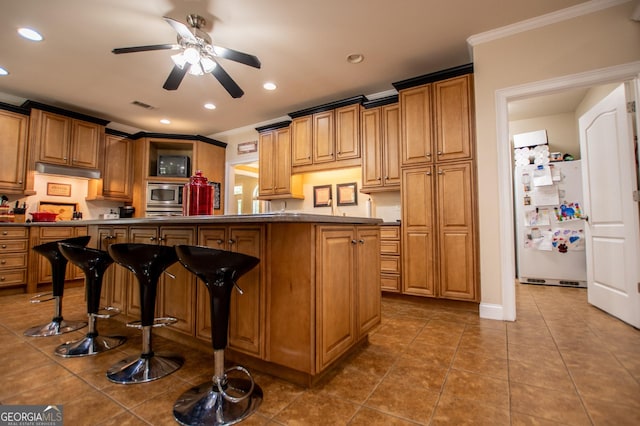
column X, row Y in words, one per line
column 322, row 196
column 347, row 194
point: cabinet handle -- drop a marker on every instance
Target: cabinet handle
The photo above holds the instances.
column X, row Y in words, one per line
column 428, row 154
column 428, row 173
column 440, row 172
column 4, row 246
column 20, row 181
column 361, row 241
column 231, row 242
column 309, row 158
column 386, row 178
column 3, row 261
column 379, row 178
column 220, row 242
column 354, row 242
column 152, row 238
column 439, row 152
column 161, row 239
column 2, row 278
column 5, row 233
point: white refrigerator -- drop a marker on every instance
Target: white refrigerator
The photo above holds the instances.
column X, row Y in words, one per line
column 549, row 224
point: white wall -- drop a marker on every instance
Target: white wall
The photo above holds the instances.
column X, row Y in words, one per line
column 562, row 131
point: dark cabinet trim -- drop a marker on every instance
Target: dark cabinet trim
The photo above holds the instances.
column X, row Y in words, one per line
column 433, row 77
column 328, row 107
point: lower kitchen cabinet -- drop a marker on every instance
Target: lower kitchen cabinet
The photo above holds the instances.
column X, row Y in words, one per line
column 246, row 318
column 390, row 259
column 14, row 255
column 116, row 279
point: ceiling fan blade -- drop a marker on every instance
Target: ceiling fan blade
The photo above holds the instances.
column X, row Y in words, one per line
column 227, row 82
column 181, row 29
column 145, row 48
column 175, row 78
column 234, row 55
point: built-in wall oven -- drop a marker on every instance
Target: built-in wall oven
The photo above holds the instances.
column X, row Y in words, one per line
column 164, row 199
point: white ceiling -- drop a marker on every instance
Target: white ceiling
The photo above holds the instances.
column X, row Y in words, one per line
column 302, row 45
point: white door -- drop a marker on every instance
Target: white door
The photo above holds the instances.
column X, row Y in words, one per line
column 612, row 234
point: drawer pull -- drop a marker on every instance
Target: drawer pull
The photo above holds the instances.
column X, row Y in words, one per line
column 3, row 261
column 4, row 246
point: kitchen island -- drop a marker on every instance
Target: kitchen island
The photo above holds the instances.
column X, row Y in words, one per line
column 312, row 299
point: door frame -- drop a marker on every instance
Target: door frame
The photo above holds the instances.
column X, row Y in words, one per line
column 615, row 74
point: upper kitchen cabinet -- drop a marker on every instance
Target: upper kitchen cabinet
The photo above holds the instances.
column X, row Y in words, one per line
column 326, row 137
column 117, row 174
column 14, row 124
column 436, row 117
column 276, row 180
column 380, row 139
column 68, row 140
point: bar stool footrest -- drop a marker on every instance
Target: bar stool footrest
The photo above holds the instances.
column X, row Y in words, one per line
column 39, row 298
column 157, row 322
column 107, row 312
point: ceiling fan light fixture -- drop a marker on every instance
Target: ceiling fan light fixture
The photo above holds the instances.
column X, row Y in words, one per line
column 208, row 64
column 179, row 60
column 3, row 71
column 191, row 55
column 196, row 69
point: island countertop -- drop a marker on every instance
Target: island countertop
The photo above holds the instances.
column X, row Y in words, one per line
column 289, row 217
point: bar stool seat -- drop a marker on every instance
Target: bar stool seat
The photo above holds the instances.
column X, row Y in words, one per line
column 224, row 400
column 58, row 324
column 147, row 262
column 93, row 263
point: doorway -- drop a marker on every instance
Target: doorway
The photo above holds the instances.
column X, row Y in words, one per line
column 507, row 311
column 243, row 190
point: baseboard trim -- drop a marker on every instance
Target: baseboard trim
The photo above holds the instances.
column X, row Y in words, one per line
column 491, row 311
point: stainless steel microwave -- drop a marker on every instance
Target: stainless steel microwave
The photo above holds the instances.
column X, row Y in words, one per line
column 164, row 198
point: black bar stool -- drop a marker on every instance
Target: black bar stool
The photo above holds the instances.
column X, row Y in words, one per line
column 147, row 262
column 227, row 400
column 58, row 325
column 93, row 263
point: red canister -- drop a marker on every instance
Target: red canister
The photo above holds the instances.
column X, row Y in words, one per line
column 197, row 196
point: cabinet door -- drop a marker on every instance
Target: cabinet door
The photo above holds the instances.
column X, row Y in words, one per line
column 417, row 130
column 347, row 131
column 116, row 278
column 141, row 235
column 117, row 168
column 323, row 137
column 214, row 237
column 266, row 160
column 453, row 118
column 177, row 295
column 55, row 136
column 368, row 282
column 456, row 231
column 247, row 309
column 86, row 141
column 13, row 143
column 335, row 293
column 301, row 140
column 282, row 162
column 371, row 148
column 390, row 122
column 418, row 272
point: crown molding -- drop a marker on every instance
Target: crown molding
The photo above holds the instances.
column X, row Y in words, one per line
column 541, row 21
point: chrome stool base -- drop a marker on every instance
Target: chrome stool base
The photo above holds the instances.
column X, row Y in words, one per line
column 141, row 369
column 205, row 405
column 89, row 346
column 55, row 328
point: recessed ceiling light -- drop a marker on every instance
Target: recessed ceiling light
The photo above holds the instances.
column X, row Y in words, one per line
column 3, row 71
column 269, row 86
column 209, row 106
column 355, row 58
column 30, row 34
column 165, row 121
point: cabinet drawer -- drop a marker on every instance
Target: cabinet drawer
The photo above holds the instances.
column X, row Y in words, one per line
column 56, row 232
column 13, row 260
column 9, row 232
column 390, row 247
column 11, row 246
column 8, row 278
column 390, row 264
column 389, row 232
column 390, row 283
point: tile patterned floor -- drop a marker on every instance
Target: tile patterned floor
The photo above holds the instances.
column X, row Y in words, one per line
column 562, row 362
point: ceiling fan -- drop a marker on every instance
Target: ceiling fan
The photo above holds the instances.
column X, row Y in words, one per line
column 197, row 55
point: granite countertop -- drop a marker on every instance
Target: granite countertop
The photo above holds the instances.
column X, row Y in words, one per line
column 186, row 220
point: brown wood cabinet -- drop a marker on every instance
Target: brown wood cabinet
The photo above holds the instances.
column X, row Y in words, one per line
column 14, row 255
column 326, row 140
column 390, row 259
column 275, row 180
column 380, row 139
column 439, row 231
column 246, row 320
column 66, row 141
column 116, row 279
column 348, row 290
column 117, row 174
column 13, row 145
column 436, row 121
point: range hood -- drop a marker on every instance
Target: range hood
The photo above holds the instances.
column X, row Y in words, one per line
column 55, row 169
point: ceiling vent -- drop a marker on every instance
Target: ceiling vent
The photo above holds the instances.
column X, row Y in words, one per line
column 142, row 105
